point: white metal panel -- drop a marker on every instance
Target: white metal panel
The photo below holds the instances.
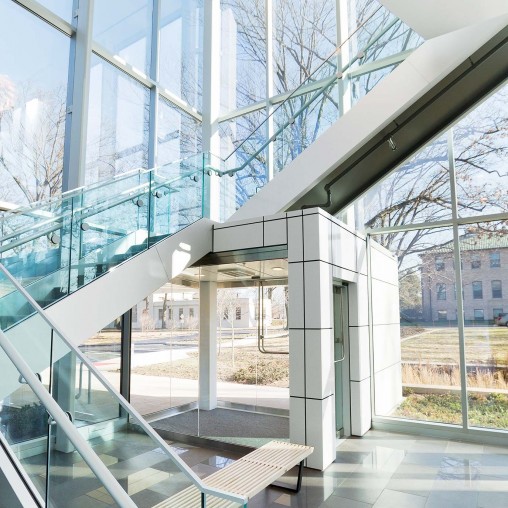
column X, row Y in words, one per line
column 435, row 17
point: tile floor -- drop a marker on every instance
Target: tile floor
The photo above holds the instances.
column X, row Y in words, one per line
column 380, row 470
column 387, row 470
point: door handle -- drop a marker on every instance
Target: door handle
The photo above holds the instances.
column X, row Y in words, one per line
column 341, row 342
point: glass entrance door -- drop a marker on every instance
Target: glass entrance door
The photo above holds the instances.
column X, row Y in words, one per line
column 340, row 353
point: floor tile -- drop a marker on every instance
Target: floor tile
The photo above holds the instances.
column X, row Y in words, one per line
column 392, row 498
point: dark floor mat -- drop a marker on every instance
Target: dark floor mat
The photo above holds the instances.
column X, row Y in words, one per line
column 224, row 423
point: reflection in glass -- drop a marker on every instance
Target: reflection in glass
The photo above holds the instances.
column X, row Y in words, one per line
column 417, row 191
column 429, row 337
column 117, row 137
column 486, row 337
column 33, row 82
column 165, row 351
column 124, row 29
column 179, row 134
column 181, row 49
column 304, row 37
column 480, row 157
column 62, row 8
column 243, row 63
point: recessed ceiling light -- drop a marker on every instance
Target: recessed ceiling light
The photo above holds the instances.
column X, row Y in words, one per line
column 277, row 269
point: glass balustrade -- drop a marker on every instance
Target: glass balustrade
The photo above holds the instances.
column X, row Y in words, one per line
column 57, row 471
column 134, row 454
column 58, row 246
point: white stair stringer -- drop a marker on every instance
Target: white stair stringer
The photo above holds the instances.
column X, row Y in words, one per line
column 379, row 112
column 81, row 314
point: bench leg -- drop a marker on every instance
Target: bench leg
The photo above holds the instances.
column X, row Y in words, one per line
column 298, row 483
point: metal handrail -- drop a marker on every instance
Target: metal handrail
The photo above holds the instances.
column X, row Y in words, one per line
column 23, row 476
column 298, row 90
column 88, row 211
column 59, row 416
column 32, row 207
column 128, row 408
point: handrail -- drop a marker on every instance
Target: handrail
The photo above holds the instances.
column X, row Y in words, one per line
column 56, row 412
column 23, row 476
column 335, row 52
column 326, row 83
column 128, row 408
column 103, row 205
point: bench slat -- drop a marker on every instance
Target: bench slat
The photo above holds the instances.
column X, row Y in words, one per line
column 245, row 477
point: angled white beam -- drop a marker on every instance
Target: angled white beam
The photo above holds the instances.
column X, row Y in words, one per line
column 435, row 17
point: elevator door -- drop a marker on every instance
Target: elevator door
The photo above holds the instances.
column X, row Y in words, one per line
column 340, row 352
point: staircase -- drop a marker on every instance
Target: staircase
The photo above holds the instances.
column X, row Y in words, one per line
column 90, row 255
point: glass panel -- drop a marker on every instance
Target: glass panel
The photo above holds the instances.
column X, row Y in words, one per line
column 61, row 7
column 94, row 230
column 252, row 362
column 23, row 423
column 104, row 350
column 117, row 139
column 165, row 362
column 304, row 37
column 181, row 49
column 134, row 457
column 480, row 158
column 243, row 63
column 179, row 134
column 486, row 345
column 33, row 85
column 125, row 29
column 417, row 191
column 237, row 189
column 428, row 345
column 397, row 38
column 301, row 120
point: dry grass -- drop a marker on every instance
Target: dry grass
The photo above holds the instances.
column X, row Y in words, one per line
column 243, row 365
column 486, row 345
column 449, row 375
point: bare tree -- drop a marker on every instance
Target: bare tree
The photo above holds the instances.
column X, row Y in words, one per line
column 32, row 144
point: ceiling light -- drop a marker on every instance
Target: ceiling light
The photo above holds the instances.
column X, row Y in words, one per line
column 278, row 269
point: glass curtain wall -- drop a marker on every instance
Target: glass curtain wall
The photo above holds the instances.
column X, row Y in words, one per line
column 444, row 214
column 146, row 59
column 33, row 89
column 270, row 48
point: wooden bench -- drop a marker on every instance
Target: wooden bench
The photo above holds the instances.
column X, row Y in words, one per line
column 246, row 476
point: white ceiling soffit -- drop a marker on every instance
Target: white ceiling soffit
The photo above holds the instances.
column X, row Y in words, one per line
column 431, row 18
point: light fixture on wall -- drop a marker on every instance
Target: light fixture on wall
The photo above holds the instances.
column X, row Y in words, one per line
column 85, row 226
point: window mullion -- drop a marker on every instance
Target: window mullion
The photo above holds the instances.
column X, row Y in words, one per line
column 458, row 283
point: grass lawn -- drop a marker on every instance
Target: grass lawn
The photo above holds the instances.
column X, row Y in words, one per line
column 243, row 365
column 484, row 345
column 485, row 410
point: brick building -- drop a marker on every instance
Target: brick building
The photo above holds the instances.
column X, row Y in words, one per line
column 484, row 263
